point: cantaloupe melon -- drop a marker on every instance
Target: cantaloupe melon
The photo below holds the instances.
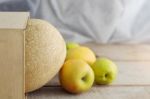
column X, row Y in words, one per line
column 45, row 52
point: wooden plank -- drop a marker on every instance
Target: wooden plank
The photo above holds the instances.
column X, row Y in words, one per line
column 130, row 73
column 133, row 73
column 12, row 64
column 97, row 92
column 125, row 52
column 15, row 20
column 133, row 79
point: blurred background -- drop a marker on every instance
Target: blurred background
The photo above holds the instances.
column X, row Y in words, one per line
column 102, row 21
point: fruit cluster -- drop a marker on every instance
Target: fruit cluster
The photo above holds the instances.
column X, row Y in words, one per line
column 81, row 69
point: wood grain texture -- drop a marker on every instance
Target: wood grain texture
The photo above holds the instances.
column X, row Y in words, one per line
column 129, row 73
column 97, row 92
column 12, row 64
column 121, row 52
column 133, row 81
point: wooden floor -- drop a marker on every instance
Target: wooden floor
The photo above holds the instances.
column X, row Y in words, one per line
column 133, row 81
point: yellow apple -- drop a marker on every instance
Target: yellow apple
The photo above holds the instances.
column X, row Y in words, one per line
column 76, row 76
column 105, row 71
column 83, row 53
column 71, row 45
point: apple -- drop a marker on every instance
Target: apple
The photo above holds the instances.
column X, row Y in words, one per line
column 105, row 71
column 83, row 53
column 76, row 76
column 71, row 45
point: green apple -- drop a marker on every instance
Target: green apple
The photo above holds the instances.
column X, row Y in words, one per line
column 71, row 45
column 105, row 71
column 76, row 76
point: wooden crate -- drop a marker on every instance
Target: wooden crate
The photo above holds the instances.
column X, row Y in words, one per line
column 12, row 41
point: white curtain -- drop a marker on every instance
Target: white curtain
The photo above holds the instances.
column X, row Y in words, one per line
column 103, row 21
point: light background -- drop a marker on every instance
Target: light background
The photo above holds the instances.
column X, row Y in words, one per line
column 103, row 21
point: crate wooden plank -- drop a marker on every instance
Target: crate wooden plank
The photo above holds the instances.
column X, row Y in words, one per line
column 11, row 64
column 97, row 92
column 125, row 52
column 130, row 73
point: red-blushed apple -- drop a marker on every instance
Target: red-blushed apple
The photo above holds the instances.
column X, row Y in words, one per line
column 76, row 76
